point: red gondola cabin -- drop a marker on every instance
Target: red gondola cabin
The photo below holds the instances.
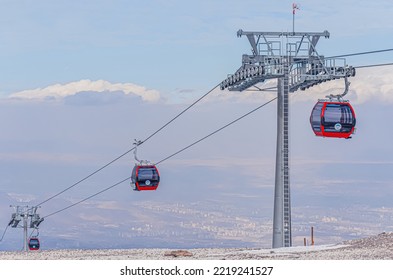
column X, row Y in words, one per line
column 145, row 178
column 334, row 119
column 34, row 243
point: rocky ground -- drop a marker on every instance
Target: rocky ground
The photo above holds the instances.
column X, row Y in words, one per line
column 378, row 247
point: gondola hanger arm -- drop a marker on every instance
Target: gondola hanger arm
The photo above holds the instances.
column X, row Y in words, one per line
column 340, row 96
column 136, row 144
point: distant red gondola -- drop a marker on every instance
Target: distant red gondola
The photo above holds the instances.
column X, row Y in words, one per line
column 334, row 119
column 34, row 243
column 145, row 178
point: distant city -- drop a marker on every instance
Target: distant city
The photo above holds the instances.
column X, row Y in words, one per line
column 203, row 224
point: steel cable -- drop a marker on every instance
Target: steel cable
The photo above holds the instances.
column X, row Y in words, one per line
column 130, row 150
column 190, row 145
column 5, row 230
column 166, row 158
column 183, row 149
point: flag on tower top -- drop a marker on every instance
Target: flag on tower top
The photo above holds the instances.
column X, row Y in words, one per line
column 295, row 7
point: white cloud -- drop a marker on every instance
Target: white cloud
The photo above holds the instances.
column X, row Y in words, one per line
column 22, row 198
column 373, row 83
column 369, row 84
column 58, row 91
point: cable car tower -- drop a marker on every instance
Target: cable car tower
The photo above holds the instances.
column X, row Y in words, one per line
column 25, row 213
column 292, row 59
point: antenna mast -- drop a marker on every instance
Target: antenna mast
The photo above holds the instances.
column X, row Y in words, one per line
column 294, row 8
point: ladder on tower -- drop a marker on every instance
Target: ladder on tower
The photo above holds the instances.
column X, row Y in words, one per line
column 287, row 235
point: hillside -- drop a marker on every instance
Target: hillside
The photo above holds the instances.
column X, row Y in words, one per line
column 379, row 247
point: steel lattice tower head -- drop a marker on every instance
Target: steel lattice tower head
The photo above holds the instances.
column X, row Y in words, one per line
column 292, row 59
column 269, row 50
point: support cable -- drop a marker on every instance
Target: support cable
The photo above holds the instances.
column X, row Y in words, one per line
column 181, row 113
column 185, row 148
column 189, row 146
column 85, row 178
column 361, row 53
column 218, row 130
column 87, row 198
column 168, row 157
column 130, row 150
column 355, row 54
column 5, row 230
column 374, row 65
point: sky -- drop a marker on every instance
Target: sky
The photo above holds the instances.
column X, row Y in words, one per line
column 80, row 80
column 169, row 46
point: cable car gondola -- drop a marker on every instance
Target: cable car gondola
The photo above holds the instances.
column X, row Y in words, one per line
column 34, row 243
column 145, row 177
column 333, row 119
